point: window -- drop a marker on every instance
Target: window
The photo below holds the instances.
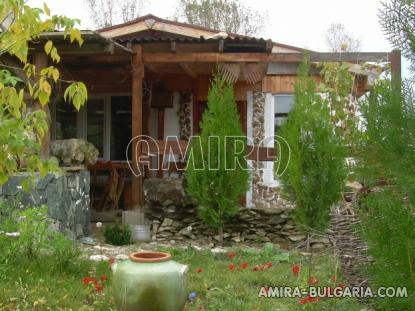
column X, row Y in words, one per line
column 120, row 126
column 283, row 105
column 66, row 121
column 95, row 124
column 105, row 121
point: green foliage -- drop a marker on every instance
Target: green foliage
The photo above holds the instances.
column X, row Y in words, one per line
column 217, row 174
column 225, row 15
column 22, row 125
column 388, row 228
column 34, row 236
column 64, row 251
column 397, row 18
column 387, row 155
column 338, row 85
column 117, row 234
column 316, row 170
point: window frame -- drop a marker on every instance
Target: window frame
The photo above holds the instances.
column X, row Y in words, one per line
column 82, row 120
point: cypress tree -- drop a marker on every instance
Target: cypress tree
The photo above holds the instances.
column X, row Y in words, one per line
column 316, row 169
column 217, row 173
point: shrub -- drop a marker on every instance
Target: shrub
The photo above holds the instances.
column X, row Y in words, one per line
column 117, row 234
column 217, row 174
column 387, row 156
column 316, row 169
column 64, row 251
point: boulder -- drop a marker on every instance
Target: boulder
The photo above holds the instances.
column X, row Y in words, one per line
column 74, row 152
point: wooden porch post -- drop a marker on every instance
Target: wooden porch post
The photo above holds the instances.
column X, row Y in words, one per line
column 41, row 61
column 396, row 66
column 137, row 122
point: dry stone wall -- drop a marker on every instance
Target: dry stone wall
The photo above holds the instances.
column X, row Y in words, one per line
column 173, row 216
column 66, row 195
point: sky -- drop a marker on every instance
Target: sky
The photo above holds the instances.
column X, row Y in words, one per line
column 300, row 23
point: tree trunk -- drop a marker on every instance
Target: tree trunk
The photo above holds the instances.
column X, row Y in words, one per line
column 221, row 235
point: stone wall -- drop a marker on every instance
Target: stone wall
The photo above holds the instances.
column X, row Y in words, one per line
column 173, row 217
column 263, row 195
column 66, row 195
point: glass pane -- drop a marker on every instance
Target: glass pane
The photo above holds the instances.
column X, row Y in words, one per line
column 120, row 126
column 65, row 120
column 283, row 103
column 95, row 124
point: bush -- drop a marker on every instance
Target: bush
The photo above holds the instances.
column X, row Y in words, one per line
column 33, row 236
column 117, row 235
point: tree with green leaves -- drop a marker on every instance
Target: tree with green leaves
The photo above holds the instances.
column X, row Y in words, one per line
column 25, row 89
column 217, row 174
column 225, row 15
column 386, row 164
column 397, row 18
column 316, row 170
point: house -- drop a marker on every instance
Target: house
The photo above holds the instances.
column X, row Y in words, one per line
column 151, row 77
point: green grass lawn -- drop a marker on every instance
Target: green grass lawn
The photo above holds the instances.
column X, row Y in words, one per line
column 40, row 285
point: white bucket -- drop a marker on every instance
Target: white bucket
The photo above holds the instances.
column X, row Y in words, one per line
column 140, row 233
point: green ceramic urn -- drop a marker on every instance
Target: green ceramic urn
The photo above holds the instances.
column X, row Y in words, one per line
column 149, row 281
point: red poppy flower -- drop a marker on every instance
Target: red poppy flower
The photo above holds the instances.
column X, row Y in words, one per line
column 312, row 281
column 295, row 269
column 98, row 287
column 231, row 255
column 269, row 264
column 231, row 267
column 333, row 278
column 245, row 265
column 86, row 280
column 104, row 278
column 302, row 301
column 198, row 270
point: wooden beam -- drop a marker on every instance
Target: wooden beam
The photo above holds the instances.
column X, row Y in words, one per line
column 353, row 57
column 186, row 68
column 86, row 48
column 137, row 122
column 221, row 45
column 153, row 68
column 41, row 61
column 173, row 47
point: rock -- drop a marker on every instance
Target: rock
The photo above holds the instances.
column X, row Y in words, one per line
column 296, row 237
column 236, row 239
column 218, row 250
column 98, row 258
column 317, row 246
column 87, row 240
column 167, row 222
column 74, row 151
column 186, row 231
